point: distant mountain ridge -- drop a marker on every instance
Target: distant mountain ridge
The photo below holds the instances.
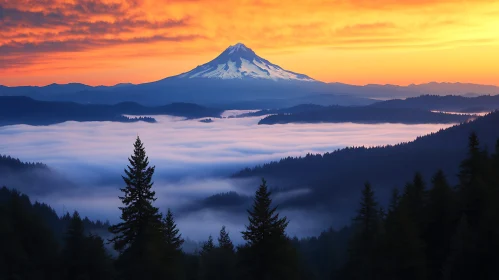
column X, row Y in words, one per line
column 25, row 110
column 452, row 103
column 366, row 115
column 236, row 78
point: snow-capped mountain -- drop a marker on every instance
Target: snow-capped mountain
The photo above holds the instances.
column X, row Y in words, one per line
column 240, row 62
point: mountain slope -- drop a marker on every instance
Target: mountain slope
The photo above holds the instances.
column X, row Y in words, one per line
column 335, row 179
column 451, row 103
column 241, row 62
column 24, row 110
column 338, row 114
column 33, row 178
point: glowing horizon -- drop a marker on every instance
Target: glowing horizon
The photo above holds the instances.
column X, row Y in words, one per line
column 107, row 42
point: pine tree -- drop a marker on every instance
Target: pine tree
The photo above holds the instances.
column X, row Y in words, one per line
column 471, row 167
column 362, row 263
column 269, row 253
column 462, row 260
column 99, row 262
column 139, row 215
column 442, row 215
column 224, row 241
column 208, row 246
column 226, row 257
column 73, row 255
column 139, row 237
column 394, row 201
column 173, row 247
column 173, row 238
column 208, row 260
column 414, row 199
column 368, row 215
column 264, row 222
column 84, row 257
column 402, row 252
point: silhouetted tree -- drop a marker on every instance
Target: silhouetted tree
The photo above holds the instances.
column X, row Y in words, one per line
column 84, row 257
column 226, row 257
column 173, row 247
column 269, row 253
column 441, row 217
column 73, row 254
column 139, row 237
column 28, row 249
column 362, row 263
column 208, row 260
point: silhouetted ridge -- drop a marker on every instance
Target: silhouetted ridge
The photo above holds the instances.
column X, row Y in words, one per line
column 337, row 114
column 452, row 103
column 24, row 110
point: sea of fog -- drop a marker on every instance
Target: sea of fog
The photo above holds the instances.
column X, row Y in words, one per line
column 193, row 160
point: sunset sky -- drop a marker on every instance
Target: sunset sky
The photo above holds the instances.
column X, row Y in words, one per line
column 351, row 41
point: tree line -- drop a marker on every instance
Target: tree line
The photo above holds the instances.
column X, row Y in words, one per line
column 434, row 231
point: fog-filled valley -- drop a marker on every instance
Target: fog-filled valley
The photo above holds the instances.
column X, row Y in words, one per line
column 193, row 160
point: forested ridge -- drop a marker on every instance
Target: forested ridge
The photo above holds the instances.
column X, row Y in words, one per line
column 335, row 178
column 431, row 229
column 366, row 115
column 25, row 110
column 11, row 163
column 453, row 103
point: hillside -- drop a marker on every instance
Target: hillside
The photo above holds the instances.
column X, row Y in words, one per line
column 33, row 178
column 451, row 103
column 24, row 110
column 335, row 179
column 337, row 114
column 48, row 215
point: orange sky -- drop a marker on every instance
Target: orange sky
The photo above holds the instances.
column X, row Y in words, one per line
column 350, row 41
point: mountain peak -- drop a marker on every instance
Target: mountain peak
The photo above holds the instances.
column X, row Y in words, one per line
column 240, row 62
column 238, row 47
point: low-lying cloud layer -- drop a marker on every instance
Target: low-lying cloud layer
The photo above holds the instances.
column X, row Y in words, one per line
column 192, row 160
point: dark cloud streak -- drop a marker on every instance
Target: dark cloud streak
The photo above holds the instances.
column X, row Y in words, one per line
column 73, row 27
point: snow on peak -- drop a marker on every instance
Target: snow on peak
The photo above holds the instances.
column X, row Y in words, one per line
column 241, row 62
column 237, row 47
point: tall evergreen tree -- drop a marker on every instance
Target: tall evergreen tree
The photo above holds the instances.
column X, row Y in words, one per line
column 414, row 200
column 269, row 253
column 208, row 246
column 224, row 241
column 362, row 263
column 226, row 257
column 73, row 255
column 173, row 247
column 208, row 260
column 461, row 261
column 99, row 262
column 394, row 201
column 442, row 215
column 84, row 257
column 140, row 235
column 368, row 215
column 173, row 238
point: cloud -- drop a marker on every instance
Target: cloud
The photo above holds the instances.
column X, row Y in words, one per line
column 35, row 28
column 207, row 26
column 79, row 45
column 193, row 161
column 370, row 29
